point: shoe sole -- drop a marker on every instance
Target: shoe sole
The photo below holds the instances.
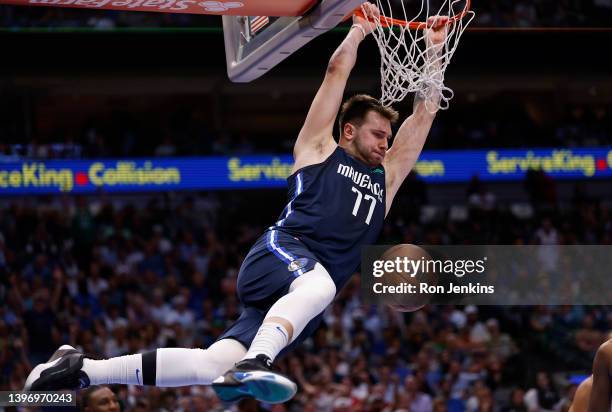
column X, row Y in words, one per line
column 264, row 386
column 32, row 379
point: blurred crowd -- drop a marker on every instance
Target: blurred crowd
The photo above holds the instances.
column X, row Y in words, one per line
column 506, row 13
column 61, row 17
column 186, row 132
column 544, row 13
column 115, row 275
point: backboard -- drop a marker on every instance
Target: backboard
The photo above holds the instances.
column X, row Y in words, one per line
column 254, row 45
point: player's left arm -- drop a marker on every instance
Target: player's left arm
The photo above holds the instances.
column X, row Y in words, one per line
column 411, row 136
column 600, row 389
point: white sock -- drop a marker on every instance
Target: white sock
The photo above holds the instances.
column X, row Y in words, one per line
column 309, row 295
column 173, row 366
column 271, row 338
column 122, row 369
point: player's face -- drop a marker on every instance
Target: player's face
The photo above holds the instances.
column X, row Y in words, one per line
column 103, row 400
column 372, row 138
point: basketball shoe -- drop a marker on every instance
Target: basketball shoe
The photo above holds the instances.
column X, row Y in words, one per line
column 61, row 371
column 254, row 378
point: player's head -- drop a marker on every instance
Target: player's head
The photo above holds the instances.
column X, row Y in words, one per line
column 100, row 399
column 365, row 128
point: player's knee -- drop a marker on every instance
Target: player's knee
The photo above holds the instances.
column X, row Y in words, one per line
column 325, row 290
column 316, row 287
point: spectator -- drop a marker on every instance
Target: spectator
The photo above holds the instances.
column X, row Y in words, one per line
column 517, row 401
column 478, row 331
column 500, row 344
column 99, row 399
column 543, row 397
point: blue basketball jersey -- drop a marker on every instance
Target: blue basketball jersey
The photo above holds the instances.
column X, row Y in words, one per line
column 335, row 208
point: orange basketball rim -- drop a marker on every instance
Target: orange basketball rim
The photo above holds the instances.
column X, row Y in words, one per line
column 417, row 25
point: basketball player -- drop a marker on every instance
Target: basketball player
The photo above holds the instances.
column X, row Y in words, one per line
column 99, row 399
column 340, row 195
column 594, row 393
column 580, row 403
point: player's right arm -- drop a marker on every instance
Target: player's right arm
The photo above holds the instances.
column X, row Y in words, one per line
column 600, row 389
column 315, row 141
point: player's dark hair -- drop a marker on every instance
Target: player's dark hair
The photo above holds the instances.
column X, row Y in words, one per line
column 355, row 109
column 87, row 393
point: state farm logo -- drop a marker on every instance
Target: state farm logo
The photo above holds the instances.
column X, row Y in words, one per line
column 220, row 6
column 171, row 5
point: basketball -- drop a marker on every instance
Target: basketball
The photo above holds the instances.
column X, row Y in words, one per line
column 408, row 273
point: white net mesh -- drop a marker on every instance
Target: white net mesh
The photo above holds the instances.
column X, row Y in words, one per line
column 410, row 63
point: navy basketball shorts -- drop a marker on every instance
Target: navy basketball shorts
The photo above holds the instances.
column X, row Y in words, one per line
column 266, row 274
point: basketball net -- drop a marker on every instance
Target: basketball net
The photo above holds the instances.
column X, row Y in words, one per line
column 409, row 62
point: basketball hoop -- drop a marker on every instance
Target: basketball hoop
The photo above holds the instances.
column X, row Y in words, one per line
column 408, row 63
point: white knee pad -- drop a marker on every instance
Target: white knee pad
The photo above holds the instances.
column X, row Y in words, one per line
column 308, row 296
column 319, row 284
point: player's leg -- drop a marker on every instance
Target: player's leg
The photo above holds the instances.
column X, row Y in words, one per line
column 303, row 289
column 69, row 369
column 308, row 295
column 166, row 367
